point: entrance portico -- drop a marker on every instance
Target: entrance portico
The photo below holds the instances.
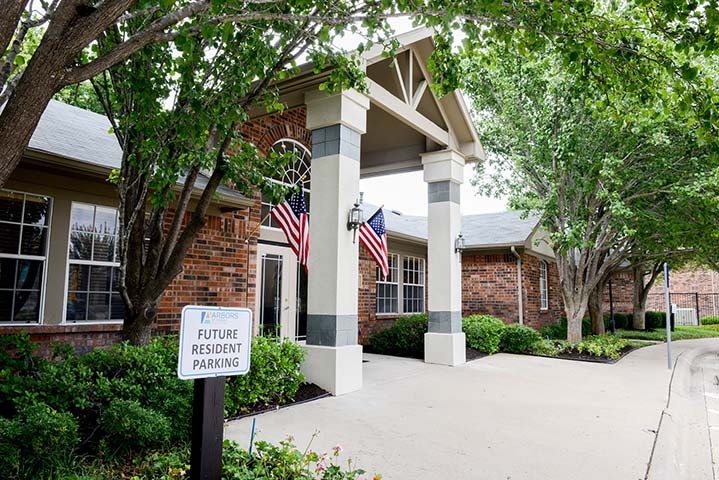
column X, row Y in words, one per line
column 398, row 125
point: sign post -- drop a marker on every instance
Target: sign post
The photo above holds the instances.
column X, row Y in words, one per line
column 669, row 315
column 214, row 343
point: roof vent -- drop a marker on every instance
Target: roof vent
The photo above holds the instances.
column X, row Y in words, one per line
column 396, row 212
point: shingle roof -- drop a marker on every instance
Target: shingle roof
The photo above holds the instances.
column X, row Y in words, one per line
column 484, row 230
column 76, row 134
column 503, row 228
column 395, row 222
column 83, row 136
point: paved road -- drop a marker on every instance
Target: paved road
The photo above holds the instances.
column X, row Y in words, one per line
column 500, row 417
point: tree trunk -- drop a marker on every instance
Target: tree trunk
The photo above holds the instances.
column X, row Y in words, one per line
column 596, row 313
column 574, row 324
column 137, row 327
column 638, row 301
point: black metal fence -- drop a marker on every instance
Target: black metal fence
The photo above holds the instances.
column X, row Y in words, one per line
column 690, row 307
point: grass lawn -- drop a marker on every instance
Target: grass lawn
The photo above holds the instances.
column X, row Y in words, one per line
column 679, row 333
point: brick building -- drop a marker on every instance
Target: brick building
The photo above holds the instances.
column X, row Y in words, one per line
column 58, row 228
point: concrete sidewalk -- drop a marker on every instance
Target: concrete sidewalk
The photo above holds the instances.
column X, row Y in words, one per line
column 500, row 417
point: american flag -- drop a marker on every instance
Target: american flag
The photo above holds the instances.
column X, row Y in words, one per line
column 374, row 238
column 293, row 219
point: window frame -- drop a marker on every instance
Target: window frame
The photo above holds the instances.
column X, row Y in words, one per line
column 19, row 256
column 97, row 263
column 401, row 284
column 422, row 271
column 379, row 281
column 306, row 158
column 543, row 285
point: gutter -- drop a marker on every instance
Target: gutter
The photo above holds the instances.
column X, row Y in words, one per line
column 519, row 284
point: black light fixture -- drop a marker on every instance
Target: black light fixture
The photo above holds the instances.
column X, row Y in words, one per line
column 459, row 244
column 355, row 219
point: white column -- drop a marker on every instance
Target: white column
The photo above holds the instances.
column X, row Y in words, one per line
column 334, row 359
column 444, row 343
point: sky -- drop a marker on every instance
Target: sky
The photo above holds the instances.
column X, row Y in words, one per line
column 407, row 193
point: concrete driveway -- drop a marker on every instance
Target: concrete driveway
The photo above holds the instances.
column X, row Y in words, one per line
column 499, row 417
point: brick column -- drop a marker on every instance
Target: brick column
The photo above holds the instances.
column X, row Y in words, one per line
column 444, row 343
column 334, row 359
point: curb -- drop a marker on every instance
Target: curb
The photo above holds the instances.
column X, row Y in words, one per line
column 682, row 449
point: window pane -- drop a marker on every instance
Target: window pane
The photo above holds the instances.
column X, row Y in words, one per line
column 82, row 217
column 29, row 274
column 78, row 277
column 9, row 238
column 100, row 279
column 7, row 273
column 80, row 245
column 6, row 306
column 76, row 306
column 27, row 306
column 36, row 210
column 104, row 248
column 115, row 279
column 33, row 241
column 117, row 308
column 98, row 306
column 10, row 206
column 105, row 220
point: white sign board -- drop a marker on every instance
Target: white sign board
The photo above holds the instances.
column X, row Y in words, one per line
column 214, row 341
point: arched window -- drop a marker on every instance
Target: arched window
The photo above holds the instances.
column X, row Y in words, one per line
column 294, row 173
column 543, row 285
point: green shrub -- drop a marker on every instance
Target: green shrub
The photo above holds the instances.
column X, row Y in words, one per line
column 555, row 331
column 602, row 346
column 483, row 332
column 519, row 339
column 404, row 339
column 128, row 426
column 653, row 320
column 38, row 442
column 621, row 320
column 274, row 376
column 710, row 320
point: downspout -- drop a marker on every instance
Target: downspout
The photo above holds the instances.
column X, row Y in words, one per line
column 519, row 285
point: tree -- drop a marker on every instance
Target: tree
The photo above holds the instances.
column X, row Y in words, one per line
column 603, row 39
column 177, row 112
column 591, row 174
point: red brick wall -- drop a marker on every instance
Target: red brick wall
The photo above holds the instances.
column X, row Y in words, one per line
column 622, row 292
column 83, row 337
column 689, row 280
column 533, row 315
column 489, row 285
column 219, row 269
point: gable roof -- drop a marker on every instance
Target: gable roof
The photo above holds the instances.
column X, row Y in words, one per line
column 487, row 230
column 84, row 138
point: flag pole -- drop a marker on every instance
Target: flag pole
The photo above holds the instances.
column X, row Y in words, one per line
column 257, row 227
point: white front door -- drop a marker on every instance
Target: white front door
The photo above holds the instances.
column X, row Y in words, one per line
column 280, row 309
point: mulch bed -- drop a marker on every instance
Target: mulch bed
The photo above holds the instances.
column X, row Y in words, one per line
column 473, row 354
column 306, row 393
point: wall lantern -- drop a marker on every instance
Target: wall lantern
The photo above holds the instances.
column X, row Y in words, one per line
column 354, row 220
column 459, row 244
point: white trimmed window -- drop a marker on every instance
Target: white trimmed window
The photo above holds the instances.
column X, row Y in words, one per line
column 543, row 285
column 388, row 288
column 24, row 231
column 399, row 294
column 93, row 265
column 413, row 284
